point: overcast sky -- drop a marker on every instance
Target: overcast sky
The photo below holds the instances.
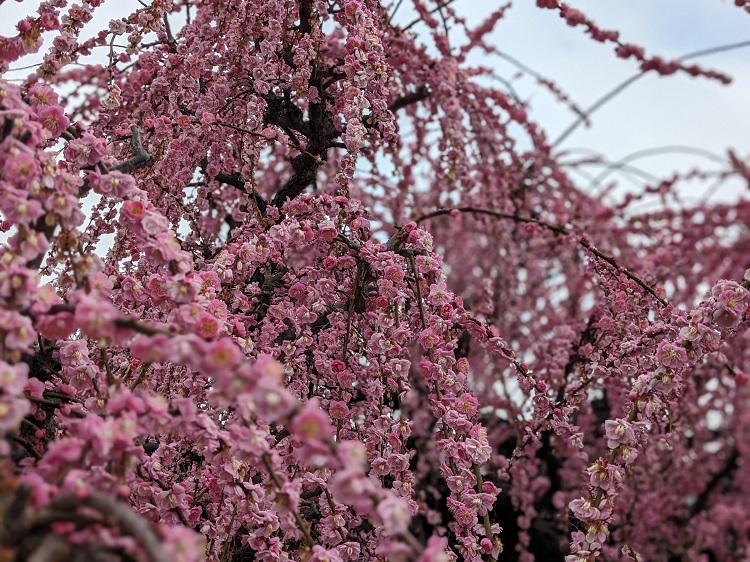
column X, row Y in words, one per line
column 676, row 110
column 655, row 111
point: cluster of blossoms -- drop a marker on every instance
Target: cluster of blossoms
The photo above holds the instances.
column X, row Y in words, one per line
column 200, row 359
column 654, row 393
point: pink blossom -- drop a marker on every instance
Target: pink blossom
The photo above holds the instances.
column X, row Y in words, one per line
column 12, row 411
column 54, row 119
column 395, row 515
column 338, row 410
column 671, row 355
column 133, row 210
column 435, row 551
column 482, row 503
column 18, row 330
column 478, row 451
column 320, row 554
column 351, row 487
column 154, row 223
column 465, row 516
column 173, row 498
column 207, row 326
column 221, row 357
column 13, row 378
column 67, row 207
column 619, row 432
column 345, row 379
column 311, row 423
column 349, row 550
column 21, row 168
column 17, row 208
column 87, row 150
column 273, row 402
column 584, row 509
column 113, row 184
column 64, row 452
column 56, row 327
column 10, row 48
column 96, row 316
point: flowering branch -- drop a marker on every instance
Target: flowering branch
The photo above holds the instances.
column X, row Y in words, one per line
column 556, row 229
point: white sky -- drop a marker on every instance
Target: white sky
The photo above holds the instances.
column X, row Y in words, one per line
column 676, row 110
column 655, row 111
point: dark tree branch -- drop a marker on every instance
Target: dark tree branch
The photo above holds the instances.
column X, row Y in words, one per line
column 29, row 530
column 399, row 103
column 305, row 168
column 140, row 157
column 319, row 129
column 236, row 180
column 305, row 16
column 124, row 518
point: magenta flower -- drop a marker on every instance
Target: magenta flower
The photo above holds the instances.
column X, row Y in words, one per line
column 12, row 411
column 21, row 168
column 221, row 357
column 338, row 410
column 435, row 550
column 352, row 487
column 54, row 119
column 465, row 516
column 113, row 184
column 87, row 150
column 133, row 210
column 274, row 402
column 320, row 554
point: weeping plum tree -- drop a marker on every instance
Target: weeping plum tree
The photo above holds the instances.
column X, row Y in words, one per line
column 293, row 280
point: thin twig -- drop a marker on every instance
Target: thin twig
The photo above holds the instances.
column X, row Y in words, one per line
column 297, row 517
column 624, row 85
column 440, row 6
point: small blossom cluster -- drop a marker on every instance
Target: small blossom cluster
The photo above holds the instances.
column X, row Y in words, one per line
column 57, row 409
column 717, row 318
column 30, row 30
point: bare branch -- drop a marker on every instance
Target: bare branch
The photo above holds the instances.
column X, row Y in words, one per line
column 609, row 96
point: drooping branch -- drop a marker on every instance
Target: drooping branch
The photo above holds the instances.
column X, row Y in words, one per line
column 139, row 159
column 558, row 230
column 617, row 90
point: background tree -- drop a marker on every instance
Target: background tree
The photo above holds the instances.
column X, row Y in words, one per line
column 333, row 297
